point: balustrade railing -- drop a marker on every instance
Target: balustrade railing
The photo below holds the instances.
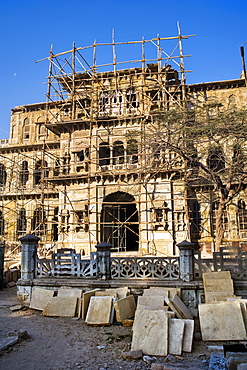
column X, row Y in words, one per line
column 67, row 263
column 101, row 265
column 165, row 268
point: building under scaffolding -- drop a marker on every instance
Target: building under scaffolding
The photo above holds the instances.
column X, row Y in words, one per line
column 78, row 169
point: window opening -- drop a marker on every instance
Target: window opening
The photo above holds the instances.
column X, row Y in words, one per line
column 132, row 150
column 26, row 128
column 118, row 152
column 104, row 154
column 131, row 98
column 242, row 215
column 24, row 173
column 22, row 222
column 3, row 175
column 39, row 222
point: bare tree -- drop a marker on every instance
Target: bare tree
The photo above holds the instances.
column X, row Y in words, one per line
column 207, row 148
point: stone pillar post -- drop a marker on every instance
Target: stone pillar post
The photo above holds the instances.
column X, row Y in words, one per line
column 104, row 260
column 186, row 260
column 29, row 245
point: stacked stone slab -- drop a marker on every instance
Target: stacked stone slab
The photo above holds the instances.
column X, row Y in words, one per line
column 218, row 286
column 156, row 331
column 100, row 311
column 220, row 318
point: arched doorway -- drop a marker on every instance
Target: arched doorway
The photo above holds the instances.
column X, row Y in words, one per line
column 119, row 222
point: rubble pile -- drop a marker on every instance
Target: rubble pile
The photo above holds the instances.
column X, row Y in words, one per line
column 162, row 325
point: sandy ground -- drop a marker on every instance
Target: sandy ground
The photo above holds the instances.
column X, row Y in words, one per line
column 68, row 343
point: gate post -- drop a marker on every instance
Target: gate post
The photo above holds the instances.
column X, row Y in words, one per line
column 186, row 260
column 104, row 260
column 29, row 245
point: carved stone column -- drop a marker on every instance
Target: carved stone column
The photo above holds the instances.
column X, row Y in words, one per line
column 29, row 245
column 104, row 260
column 186, row 260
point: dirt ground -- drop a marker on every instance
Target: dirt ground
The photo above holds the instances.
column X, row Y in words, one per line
column 68, row 343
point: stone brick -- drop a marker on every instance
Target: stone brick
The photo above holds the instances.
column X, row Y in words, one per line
column 222, row 321
column 125, row 308
column 150, row 332
column 99, row 311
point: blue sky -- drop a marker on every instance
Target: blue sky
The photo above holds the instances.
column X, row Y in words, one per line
column 29, row 27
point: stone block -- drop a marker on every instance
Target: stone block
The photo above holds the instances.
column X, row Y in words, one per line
column 101, row 293
column 150, row 332
column 40, row 298
column 69, row 292
column 162, row 291
column 61, row 306
column 217, row 275
column 7, row 342
column 99, row 311
column 222, row 321
column 155, row 302
column 176, row 334
column 125, row 308
column 121, row 292
column 211, row 297
column 173, row 308
column 86, row 299
column 181, row 307
column 188, row 335
column 244, row 313
column 219, row 285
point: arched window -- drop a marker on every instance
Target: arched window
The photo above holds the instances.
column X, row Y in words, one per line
column 39, row 222
column 132, row 150
column 24, row 173
column 39, row 167
column 242, row 215
column 232, row 101
column 118, row 152
column 3, row 175
column 21, row 222
column 104, row 154
column 1, row 224
column 216, row 160
column 26, row 129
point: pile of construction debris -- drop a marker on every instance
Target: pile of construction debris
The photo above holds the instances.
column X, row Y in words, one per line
column 162, row 324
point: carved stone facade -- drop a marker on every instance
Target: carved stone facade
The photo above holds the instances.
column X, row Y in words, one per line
column 76, row 172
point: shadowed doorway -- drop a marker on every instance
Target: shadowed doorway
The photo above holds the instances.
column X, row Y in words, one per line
column 119, row 222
